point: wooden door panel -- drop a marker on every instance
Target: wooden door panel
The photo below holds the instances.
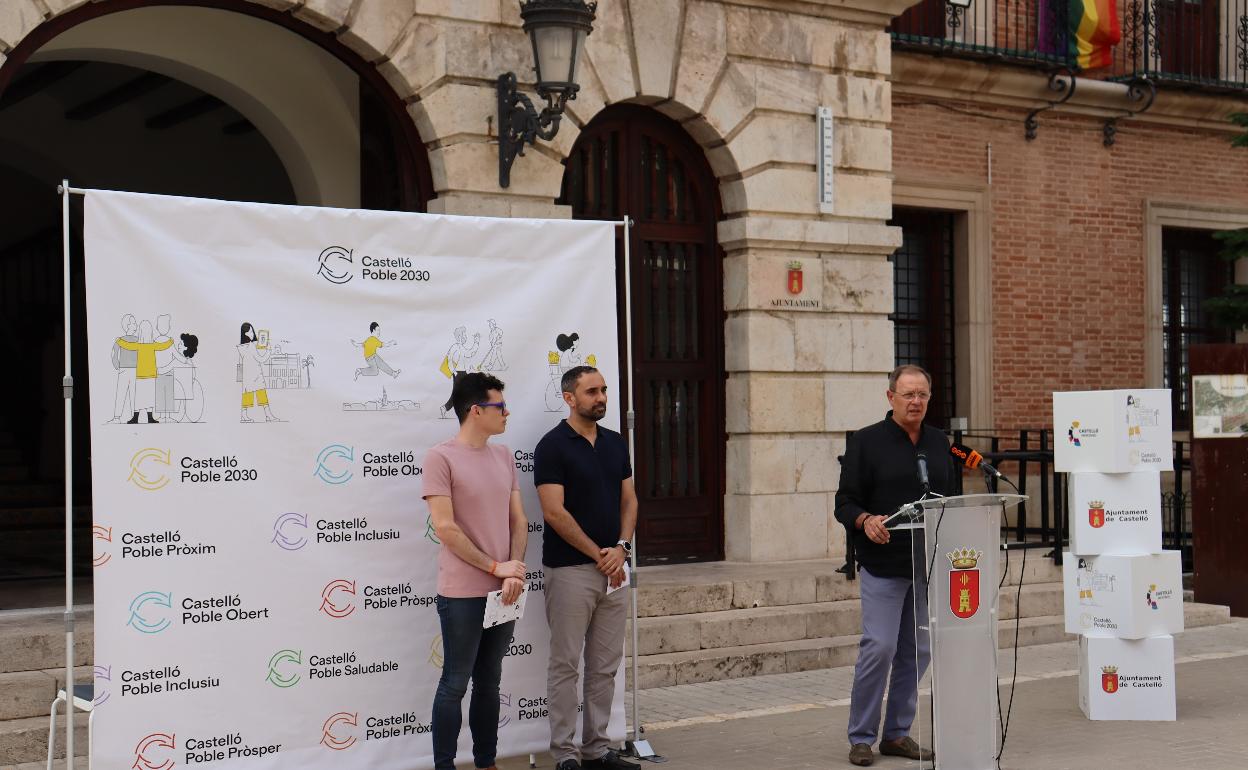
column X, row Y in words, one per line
column 631, row 160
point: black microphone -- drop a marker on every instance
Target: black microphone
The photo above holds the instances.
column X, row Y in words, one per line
column 972, row 459
column 923, row 479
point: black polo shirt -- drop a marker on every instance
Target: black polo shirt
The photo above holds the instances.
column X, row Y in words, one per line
column 879, row 475
column 591, row 476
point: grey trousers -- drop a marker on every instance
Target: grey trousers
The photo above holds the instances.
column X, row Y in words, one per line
column 584, row 619
column 889, row 653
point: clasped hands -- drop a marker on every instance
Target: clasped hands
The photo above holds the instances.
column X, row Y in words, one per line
column 512, row 573
column 611, row 563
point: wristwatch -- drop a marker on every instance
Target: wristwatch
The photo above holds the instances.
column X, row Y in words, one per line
column 627, row 546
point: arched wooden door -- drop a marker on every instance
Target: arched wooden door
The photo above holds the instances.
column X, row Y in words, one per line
column 632, row 160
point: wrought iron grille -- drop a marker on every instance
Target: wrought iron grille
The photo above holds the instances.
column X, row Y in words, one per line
column 1200, row 42
column 1029, row 31
column 923, row 305
column 1190, row 274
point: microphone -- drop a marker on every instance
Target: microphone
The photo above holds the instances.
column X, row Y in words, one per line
column 972, row 459
column 923, row 479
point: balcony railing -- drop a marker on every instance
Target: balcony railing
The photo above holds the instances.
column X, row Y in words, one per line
column 1025, row 31
column 1200, row 43
column 1197, row 42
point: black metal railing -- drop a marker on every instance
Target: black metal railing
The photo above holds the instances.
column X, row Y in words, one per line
column 1197, row 42
column 1026, row 457
column 1024, row 31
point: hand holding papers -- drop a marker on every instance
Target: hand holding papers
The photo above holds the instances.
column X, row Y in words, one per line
column 612, row 589
column 497, row 613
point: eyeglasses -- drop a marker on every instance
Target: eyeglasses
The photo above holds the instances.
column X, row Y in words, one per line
column 502, row 405
column 920, row 395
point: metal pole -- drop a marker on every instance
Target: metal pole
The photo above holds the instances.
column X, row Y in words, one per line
column 67, row 389
column 631, row 418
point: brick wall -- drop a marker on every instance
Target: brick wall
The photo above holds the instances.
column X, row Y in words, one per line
column 1067, row 222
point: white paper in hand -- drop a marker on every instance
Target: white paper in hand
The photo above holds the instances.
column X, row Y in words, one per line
column 497, row 613
column 623, row 583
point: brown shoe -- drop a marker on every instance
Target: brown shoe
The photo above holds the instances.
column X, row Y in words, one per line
column 860, row 754
column 905, row 747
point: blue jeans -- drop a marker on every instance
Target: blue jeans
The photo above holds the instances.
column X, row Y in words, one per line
column 469, row 652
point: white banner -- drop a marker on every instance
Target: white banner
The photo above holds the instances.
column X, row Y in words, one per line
column 265, row 571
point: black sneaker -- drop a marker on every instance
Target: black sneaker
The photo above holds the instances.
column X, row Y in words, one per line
column 568, row 764
column 611, row 761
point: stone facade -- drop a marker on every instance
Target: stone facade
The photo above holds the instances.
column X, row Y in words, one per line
column 745, row 80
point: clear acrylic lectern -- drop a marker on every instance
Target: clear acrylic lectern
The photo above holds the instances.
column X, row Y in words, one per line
column 956, row 550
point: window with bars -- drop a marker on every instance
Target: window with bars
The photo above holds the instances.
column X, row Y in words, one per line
column 1191, row 273
column 923, row 291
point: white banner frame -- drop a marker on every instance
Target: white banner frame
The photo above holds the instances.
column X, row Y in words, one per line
column 637, row 744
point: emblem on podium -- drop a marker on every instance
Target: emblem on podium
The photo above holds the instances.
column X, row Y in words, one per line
column 1109, row 679
column 795, row 277
column 964, row 582
column 1096, row 513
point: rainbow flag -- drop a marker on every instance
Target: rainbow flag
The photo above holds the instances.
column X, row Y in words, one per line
column 1095, row 29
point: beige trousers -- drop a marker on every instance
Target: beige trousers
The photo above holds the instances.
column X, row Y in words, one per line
column 584, row 619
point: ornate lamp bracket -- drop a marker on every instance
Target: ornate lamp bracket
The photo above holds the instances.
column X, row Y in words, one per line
column 519, row 123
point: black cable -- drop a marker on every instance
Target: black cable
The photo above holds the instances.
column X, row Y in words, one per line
column 1018, row 619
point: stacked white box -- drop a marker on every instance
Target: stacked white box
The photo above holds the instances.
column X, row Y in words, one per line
column 1115, row 513
column 1123, row 593
column 1127, row 680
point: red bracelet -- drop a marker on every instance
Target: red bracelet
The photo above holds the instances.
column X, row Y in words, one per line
column 493, row 566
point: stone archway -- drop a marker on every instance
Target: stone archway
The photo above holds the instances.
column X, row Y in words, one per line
column 212, row 98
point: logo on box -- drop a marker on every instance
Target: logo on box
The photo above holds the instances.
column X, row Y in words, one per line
column 1109, row 679
column 1096, row 513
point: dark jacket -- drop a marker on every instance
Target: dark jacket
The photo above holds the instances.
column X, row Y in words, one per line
column 879, row 475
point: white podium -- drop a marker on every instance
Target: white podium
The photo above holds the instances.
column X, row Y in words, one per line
column 957, row 541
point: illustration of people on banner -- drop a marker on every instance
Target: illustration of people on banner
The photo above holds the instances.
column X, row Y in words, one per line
column 155, row 374
column 372, row 346
column 253, row 354
column 566, row 357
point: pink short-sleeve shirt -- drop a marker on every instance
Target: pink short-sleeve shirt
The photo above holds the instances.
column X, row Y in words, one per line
column 479, row 481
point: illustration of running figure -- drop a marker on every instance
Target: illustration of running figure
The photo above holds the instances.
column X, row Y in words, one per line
column 371, row 357
column 253, row 353
column 457, row 360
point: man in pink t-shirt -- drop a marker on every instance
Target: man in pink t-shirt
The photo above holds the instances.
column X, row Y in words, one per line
column 474, row 501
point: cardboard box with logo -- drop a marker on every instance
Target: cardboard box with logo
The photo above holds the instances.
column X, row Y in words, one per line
column 1112, row 431
column 1127, row 679
column 1130, row 597
column 1115, row 513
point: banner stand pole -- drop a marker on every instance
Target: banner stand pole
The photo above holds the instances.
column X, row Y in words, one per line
column 637, row 746
column 67, row 390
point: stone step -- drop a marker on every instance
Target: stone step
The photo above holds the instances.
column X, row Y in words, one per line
column 29, row 693
column 760, row 625
column 778, row 657
column 26, row 740
column 756, row 625
column 80, row 762
column 684, row 589
column 34, row 640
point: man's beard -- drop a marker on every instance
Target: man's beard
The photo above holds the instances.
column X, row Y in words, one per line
column 592, row 413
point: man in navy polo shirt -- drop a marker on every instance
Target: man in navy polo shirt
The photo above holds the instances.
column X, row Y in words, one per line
column 585, row 483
